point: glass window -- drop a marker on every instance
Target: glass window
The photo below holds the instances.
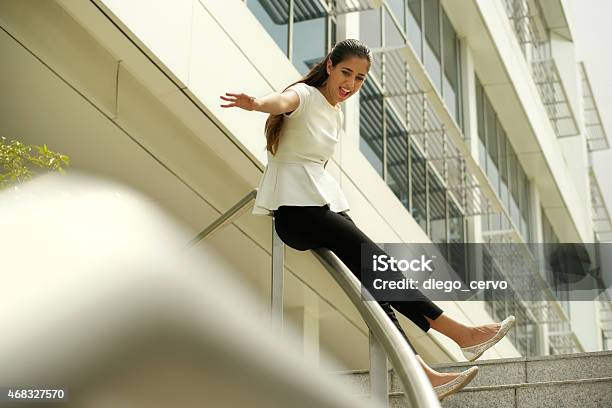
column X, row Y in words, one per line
column 482, row 144
column 273, row 16
column 419, row 192
column 524, row 181
column 371, row 125
column 503, row 160
column 437, row 210
column 397, row 8
column 393, row 35
column 369, row 27
column 451, row 68
column 397, row 157
column 480, row 110
column 514, row 188
column 491, row 134
column 413, row 25
column 431, row 53
column 304, row 10
column 370, row 32
column 503, row 171
column 456, row 237
column 491, row 129
column 309, row 43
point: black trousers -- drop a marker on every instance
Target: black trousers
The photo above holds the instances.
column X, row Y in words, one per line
column 305, row 228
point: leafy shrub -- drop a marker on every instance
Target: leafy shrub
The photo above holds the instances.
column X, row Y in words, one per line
column 19, row 162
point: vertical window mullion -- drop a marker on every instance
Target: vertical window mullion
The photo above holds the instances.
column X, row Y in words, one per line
column 290, row 31
column 422, row 30
column 446, row 223
column 427, row 198
column 383, row 81
column 328, row 26
column 459, row 90
column 385, row 141
column 410, row 176
column 441, row 48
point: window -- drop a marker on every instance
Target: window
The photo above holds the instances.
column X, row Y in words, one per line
column 370, row 33
column 397, row 8
column 313, row 29
column 482, row 145
column 457, row 249
column 418, row 188
column 503, row 171
column 492, row 154
column 310, row 45
column 431, row 53
column 393, row 35
column 369, row 27
column 371, row 125
column 413, row 25
column 502, row 167
column 437, row 210
column 514, row 189
column 524, row 190
column 397, row 157
column 450, row 88
column 273, row 16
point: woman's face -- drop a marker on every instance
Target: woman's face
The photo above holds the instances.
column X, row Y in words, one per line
column 346, row 78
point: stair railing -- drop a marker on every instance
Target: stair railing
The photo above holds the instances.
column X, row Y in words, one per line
column 385, row 338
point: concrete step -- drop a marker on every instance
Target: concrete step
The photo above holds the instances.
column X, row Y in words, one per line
column 512, row 371
column 587, row 393
column 561, row 367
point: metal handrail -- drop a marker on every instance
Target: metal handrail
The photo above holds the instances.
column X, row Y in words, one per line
column 417, row 387
column 225, row 218
column 415, row 383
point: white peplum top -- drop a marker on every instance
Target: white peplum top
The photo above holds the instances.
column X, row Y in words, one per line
column 296, row 175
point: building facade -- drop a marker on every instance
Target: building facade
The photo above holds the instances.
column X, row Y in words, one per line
column 476, row 124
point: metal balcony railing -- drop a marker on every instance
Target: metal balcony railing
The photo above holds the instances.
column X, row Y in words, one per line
column 533, row 36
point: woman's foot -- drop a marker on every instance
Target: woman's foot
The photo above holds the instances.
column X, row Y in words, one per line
column 484, row 337
column 436, row 379
column 478, row 334
column 473, row 340
column 457, row 384
column 445, row 384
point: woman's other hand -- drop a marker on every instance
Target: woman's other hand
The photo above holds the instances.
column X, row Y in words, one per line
column 242, row 101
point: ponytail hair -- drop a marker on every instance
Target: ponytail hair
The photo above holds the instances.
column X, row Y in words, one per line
column 316, row 78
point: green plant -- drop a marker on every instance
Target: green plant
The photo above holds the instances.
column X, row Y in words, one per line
column 19, row 161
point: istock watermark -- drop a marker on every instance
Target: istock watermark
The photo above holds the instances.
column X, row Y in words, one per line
column 385, row 263
column 459, row 271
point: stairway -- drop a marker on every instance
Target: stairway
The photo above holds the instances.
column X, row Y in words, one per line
column 572, row 380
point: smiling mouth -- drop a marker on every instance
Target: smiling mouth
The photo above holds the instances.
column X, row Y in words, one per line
column 343, row 92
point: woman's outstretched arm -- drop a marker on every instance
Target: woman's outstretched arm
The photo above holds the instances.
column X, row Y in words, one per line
column 274, row 103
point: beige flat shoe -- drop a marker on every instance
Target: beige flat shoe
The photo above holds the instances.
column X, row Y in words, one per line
column 457, row 384
column 471, row 353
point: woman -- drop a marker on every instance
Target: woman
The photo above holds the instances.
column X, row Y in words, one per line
column 308, row 205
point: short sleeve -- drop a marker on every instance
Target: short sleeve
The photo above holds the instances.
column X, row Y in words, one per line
column 303, row 92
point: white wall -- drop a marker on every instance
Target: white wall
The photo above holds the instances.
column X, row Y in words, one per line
column 153, row 121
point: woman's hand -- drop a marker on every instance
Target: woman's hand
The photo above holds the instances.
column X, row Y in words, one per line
column 274, row 103
column 242, row 101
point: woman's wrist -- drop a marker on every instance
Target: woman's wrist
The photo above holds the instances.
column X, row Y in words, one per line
column 256, row 104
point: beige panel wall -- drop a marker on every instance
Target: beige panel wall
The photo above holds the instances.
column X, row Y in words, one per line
column 163, row 142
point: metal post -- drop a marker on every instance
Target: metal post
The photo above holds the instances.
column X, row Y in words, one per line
column 276, row 288
column 379, row 382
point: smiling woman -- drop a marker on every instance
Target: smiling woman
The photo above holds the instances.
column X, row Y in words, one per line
column 308, row 205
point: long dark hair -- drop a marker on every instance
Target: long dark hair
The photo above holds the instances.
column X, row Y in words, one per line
column 316, row 78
